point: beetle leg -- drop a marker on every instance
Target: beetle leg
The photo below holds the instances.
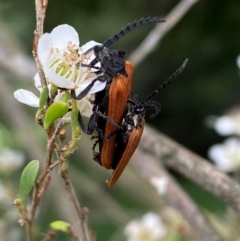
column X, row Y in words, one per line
column 109, row 119
column 90, row 66
column 89, row 130
column 84, row 92
column 101, row 135
column 95, row 61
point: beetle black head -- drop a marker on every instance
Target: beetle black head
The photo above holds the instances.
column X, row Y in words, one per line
column 98, row 50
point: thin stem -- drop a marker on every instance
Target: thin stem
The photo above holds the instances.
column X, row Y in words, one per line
column 37, row 194
column 73, row 235
column 82, row 213
column 191, row 166
column 41, row 7
column 50, row 148
column 28, row 228
column 93, row 235
column 50, row 235
column 174, row 195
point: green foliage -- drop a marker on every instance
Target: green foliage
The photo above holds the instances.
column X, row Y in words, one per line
column 28, row 178
column 54, row 112
column 43, row 97
column 60, row 225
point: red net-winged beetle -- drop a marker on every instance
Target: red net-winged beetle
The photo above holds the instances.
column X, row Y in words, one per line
column 128, row 134
column 111, row 101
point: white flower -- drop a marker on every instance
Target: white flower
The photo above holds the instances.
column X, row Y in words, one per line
column 28, row 98
column 149, row 228
column 228, row 125
column 10, row 160
column 61, row 58
column 238, row 61
column 160, row 184
column 227, row 155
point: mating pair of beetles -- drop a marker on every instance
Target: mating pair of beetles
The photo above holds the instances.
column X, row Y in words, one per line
column 117, row 116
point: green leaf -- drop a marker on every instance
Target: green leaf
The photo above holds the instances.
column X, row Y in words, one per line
column 54, row 112
column 20, row 204
column 28, row 178
column 65, row 96
column 43, row 97
column 60, row 225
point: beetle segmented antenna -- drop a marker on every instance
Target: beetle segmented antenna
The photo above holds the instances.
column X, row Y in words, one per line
column 130, row 27
column 155, row 105
column 167, row 82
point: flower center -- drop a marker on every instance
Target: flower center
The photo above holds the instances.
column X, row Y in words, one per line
column 67, row 63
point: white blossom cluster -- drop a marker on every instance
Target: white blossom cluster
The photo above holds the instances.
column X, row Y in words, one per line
column 226, row 156
column 149, row 228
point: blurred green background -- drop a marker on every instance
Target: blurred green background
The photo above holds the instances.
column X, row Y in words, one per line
column 208, row 35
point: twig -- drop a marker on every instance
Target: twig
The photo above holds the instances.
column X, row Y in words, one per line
column 93, row 235
column 50, row 235
column 173, row 195
column 41, row 7
column 50, row 148
column 82, row 213
column 155, row 36
column 37, row 194
column 73, row 235
column 116, row 213
column 44, row 185
column 192, row 166
column 28, row 229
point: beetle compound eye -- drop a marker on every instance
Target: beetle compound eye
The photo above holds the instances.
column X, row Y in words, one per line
column 98, row 49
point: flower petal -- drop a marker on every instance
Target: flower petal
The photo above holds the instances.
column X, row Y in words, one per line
column 226, row 156
column 37, row 82
column 216, row 153
column 26, row 97
column 160, row 183
column 44, row 48
column 58, row 80
column 62, row 35
column 224, row 125
column 151, row 220
column 87, row 46
column 132, row 228
column 98, row 86
column 85, row 107
column 238, row 61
